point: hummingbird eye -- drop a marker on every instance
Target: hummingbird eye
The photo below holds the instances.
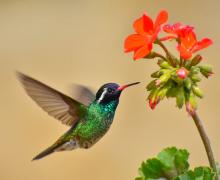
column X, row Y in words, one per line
column 110, row 90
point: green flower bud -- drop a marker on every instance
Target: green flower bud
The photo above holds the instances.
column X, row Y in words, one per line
column 163, row 92
column 151, row 85
column 164, row 64
column 197, row 91
column 180, row 97
column 188, row 83
column 196, row 60
column 206, row 70
column 163, row 79
column 194, row 70
column 195, row 78
column 156, row 74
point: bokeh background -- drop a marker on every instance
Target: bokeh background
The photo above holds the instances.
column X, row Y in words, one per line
column 64, row 42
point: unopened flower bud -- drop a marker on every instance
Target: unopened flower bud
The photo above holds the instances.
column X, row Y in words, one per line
column 163, row 64
column 188, row 83
column 196, row 60
column 206, row 70
column 180, row 97
column 182, row 73
column 156, row 74
column 197, row 91
column 153, row 102
column 195, row 78
column 151, row 85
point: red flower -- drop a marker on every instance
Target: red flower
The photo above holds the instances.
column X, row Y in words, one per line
column 146, row 33
column 189, row 44
column 174, row 30
column 182, row 73
column 186, row 36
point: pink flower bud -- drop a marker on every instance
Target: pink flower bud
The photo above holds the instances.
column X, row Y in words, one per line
column 182, row 73
column 157, row 82
column 153, row 102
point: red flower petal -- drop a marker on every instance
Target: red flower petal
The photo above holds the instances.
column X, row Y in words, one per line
column 184, row 53
column 142, row 52
column 148, row 24
column 202, row 44
column 172, row 29
column 139, row 26
column 162, row 17
column 168, row 28
column 188, row 38
column 133, row 42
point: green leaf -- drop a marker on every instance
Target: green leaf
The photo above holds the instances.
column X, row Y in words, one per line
column 151, row 169
column 181, row 160
column 199, row 173
column 218, row 169
column 168, row 164
column 175, row 159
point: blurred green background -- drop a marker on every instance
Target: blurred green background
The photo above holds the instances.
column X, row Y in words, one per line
column 64, row 42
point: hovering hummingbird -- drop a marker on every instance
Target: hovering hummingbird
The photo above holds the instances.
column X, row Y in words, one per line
column 89, row 117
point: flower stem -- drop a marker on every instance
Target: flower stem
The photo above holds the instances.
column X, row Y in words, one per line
column 167, row 52
column 206, row 142
column 159, row 55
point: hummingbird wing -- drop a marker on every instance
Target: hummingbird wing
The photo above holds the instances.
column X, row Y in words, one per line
column 82, row 94
column 55, row 103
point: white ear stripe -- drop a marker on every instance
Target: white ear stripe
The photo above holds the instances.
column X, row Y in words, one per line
column 103, row 95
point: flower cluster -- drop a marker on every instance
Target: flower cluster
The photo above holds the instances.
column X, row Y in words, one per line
column 177, row 77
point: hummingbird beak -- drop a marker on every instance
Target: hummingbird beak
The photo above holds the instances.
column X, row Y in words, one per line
column 121, row 88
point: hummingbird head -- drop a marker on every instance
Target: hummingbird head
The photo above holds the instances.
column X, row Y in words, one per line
column 110, row 92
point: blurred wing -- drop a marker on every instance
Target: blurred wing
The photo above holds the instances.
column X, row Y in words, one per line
column 82, row 94
column 56, row 104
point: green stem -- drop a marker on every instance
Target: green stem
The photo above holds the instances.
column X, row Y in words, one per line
column 159, row 55
column 206, row 142
column 167, row 52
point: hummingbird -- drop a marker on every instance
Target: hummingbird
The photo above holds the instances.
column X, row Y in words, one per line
column 89, row 115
